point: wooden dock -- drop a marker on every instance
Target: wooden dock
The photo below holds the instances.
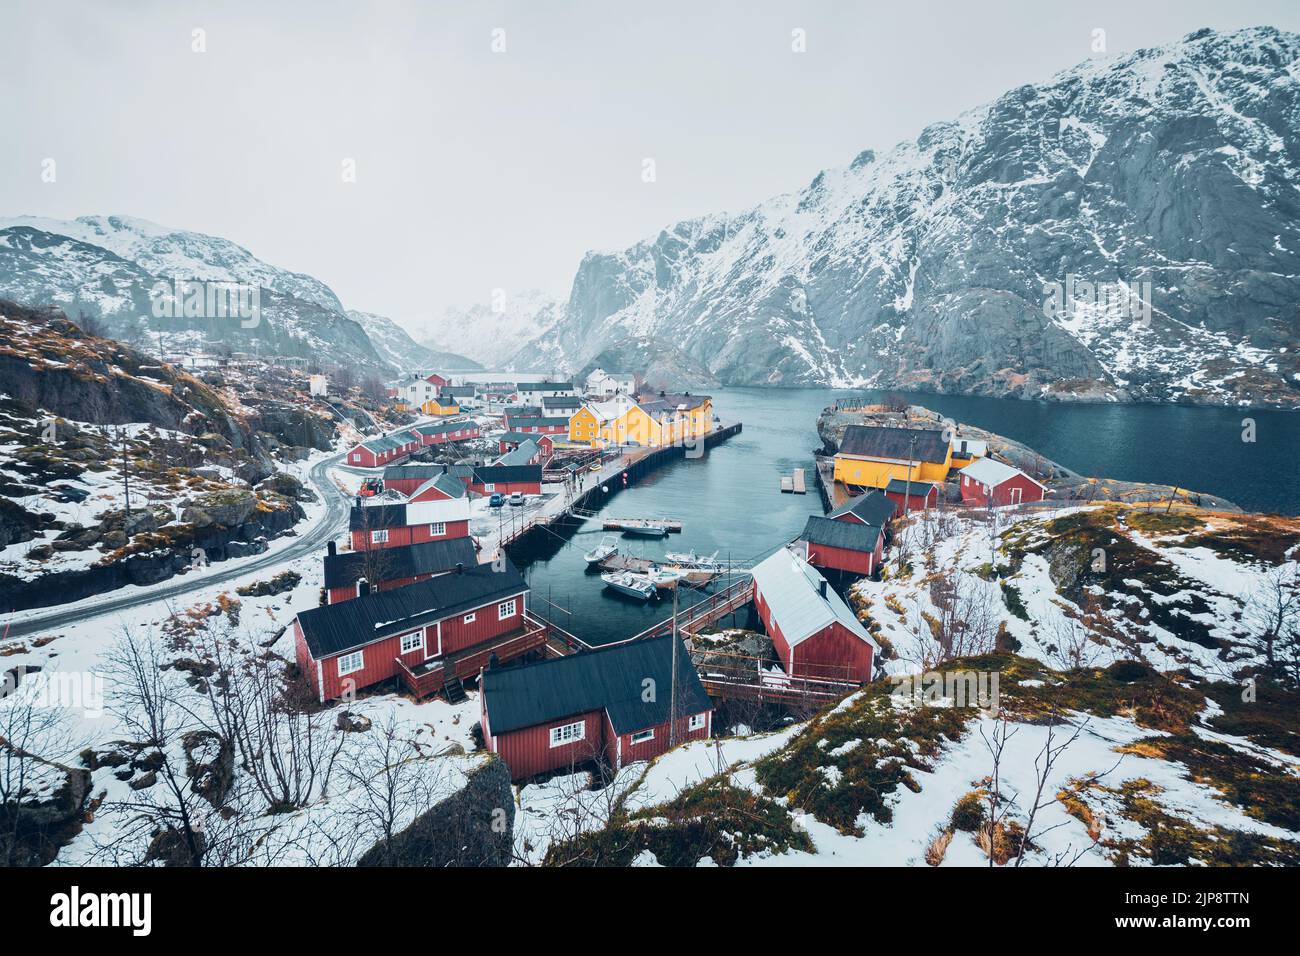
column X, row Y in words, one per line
column 794, row 483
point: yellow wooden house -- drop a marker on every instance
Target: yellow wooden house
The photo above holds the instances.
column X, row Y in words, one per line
column 870, row 456
column 440, row 405
column 652, row 422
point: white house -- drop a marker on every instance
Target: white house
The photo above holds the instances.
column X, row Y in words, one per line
column 600, row 383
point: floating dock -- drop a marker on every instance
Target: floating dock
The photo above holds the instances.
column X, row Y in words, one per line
column 794, row 483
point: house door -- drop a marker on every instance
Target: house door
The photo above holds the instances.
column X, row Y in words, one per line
column 1016, row 495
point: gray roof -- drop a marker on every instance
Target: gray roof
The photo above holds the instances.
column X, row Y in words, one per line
column 919, row 489
column 873, row 508
column 520, row 455
column 883, row 441
column 427, row 557
column 345, row 626
column 449, row 485
column 611, row 679
column 792, row 589
column 852, row 535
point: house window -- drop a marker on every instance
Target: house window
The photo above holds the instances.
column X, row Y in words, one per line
column 506, row 609
column 490, row 487
column 356, row 457
column 437, row 529
column 469, row 618
column 379, row 537
column 643, row 736
column 695, row 723
column 412, row 642
column 568, row 733
column 350, row 663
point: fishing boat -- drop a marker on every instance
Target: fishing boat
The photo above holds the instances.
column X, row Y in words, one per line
column 627, row 562
column 646, row 529
column 689, row 559
column 633, row 585
column 607, row 548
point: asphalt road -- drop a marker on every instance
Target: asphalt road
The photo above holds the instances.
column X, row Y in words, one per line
column 333, row 523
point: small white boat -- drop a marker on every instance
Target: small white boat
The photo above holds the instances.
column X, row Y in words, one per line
column 607, row 548
column 633, row 585
column 666, row 577
column 690, row 559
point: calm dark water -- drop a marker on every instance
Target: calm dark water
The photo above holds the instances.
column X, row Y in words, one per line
column 730, row 500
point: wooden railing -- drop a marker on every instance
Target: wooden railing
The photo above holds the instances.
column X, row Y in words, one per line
column 704, row 612
column 468, row 661
column 740, row 676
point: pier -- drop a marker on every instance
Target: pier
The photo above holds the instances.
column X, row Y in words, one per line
column 562, row 513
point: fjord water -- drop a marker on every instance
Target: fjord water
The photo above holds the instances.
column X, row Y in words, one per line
column 730, row 500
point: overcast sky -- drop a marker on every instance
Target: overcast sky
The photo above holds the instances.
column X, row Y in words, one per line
column 476, row 169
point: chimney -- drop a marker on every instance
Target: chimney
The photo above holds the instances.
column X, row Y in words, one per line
column 363, row 587
column 331, row 548
column 460, row 568
column 822, row 588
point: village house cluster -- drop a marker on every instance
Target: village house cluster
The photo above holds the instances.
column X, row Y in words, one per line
column 416, row 600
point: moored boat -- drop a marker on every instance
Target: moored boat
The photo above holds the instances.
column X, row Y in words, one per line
column 689, row 559
column 633, row 585
column 607, row 548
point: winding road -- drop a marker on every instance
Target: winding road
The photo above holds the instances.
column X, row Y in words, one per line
column 330, row 524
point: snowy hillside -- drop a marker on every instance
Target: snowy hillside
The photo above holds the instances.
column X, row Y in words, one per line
column 107, row 268
column 1132, row 722
column 929, row 266
column 493, row 333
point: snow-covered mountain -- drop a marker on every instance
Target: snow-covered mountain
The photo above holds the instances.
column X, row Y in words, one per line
column 396, row 347
column 931, row 266
column 107, row 267
column 493, row 333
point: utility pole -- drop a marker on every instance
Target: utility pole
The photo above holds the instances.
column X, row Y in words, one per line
column 672, row 681
column 126, row 474
column 907, row 497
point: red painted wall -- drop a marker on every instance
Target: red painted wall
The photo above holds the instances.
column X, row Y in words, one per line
column 915, row 502
column 833, row 645
column 972, row 492
column 844, row 559
column 407, row 534
column 528, row 751
column 508, row 487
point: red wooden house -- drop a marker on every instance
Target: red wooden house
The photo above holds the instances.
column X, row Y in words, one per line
column 815, row 633
column 437, row 515
column 405, row 479
column 546, row 425
column 842, row 545
column 985, row 480
column 611, row 704
column 912, row 496
column 440, row 433
column 429, row 635
column 383, row 569
column 438, row 380
column 500, row 479
column 378, row 452
column 512, row 440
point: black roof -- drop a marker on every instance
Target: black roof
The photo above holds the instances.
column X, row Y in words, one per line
column 561, row 401
column 503, row 473
column 365, row 517
column 345, row 626
column 420, row 472
column 427, row 557
column 840, row 534
column 612, row 679
column 920, row 489
column 884, row 441
column 873, row 508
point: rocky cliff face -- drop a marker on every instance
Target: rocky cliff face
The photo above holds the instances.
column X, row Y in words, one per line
column 396, row 347
column 948, row 263
column 492, row 333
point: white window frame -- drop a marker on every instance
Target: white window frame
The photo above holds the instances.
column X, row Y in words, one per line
column 502, row 613
column 642, row 736
column 437, row 529
column 490, row 486
column 469, row 618
column 379, row 537
column 356, row 456
column 419, row 638
column 568, row 733
column 696, row 722
column 344, row 659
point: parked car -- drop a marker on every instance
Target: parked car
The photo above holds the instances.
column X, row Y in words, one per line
column 496, row 501
column 517, row 498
